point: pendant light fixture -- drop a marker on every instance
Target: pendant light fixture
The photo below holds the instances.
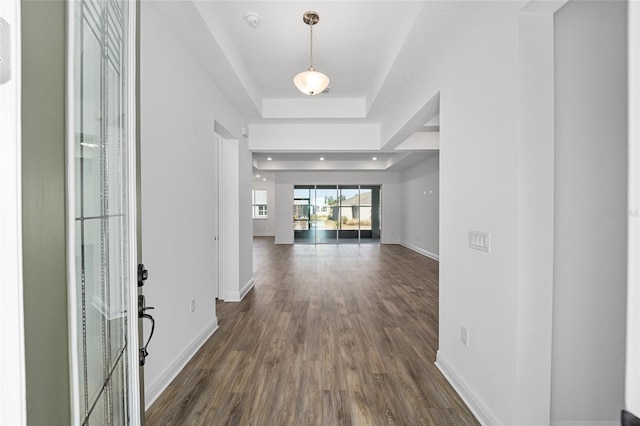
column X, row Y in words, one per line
column 311, row 82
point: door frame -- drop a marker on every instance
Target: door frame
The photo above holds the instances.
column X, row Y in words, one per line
column 632, row 385
column 217, row 141
column 136, row 410
column 12, row 367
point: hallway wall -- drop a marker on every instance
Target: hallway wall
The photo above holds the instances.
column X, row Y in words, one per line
column 420, row 202
column 179, row 104
column 476, row 75
column 475, row 71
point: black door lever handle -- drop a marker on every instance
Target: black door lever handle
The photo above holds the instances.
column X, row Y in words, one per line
column 143, row 314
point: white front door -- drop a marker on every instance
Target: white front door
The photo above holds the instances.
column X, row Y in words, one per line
column 12, row 363
column 102, row 212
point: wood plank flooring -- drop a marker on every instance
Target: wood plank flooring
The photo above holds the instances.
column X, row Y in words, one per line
column 330, row 335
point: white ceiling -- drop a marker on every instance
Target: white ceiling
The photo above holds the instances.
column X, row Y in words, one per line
column 369, row 50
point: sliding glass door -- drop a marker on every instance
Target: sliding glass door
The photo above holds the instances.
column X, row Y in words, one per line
column 330, row 214
column 370, row 213
column 302, row 213
column 325, row 223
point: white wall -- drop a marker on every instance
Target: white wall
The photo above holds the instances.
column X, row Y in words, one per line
column 301, row 137
column 475, row 71
column 266, row 227
column 390, row 199
column 481, row 178
column 245, row 233
column 590, row 212
column 178, row 106
column 236, row 233
column 284, row 213
column 535, row 212
column 419, row 207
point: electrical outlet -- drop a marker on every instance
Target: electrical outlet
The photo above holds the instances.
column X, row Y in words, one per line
column 464, row 335
column 480, row 241
column 193, row 305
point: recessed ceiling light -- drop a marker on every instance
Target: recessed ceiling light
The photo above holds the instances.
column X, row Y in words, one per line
column 257, row 175
column 269, row 158
column 374, row 158
column 264, row 179
column 321, row 158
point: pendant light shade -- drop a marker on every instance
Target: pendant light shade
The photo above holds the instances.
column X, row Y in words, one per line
column 311, row 82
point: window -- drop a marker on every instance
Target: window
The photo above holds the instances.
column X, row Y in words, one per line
column 259, row 201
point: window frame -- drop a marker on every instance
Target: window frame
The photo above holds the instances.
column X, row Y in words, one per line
column 257, row 207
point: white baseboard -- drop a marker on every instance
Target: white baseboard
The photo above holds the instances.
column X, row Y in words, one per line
column 479, row 409
column 281, row 241
column 578, row 423
column 264, row 234
column 421, row 251
column 237, row 296
column 153, row 391
column 247, row 287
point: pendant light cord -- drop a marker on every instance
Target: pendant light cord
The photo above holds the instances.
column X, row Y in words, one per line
column 311, row 45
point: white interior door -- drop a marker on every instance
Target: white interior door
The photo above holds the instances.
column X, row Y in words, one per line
column 217, row 141
column 101, row 194
column 216, row 215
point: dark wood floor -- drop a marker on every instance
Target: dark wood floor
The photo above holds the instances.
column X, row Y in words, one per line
column 331, row 335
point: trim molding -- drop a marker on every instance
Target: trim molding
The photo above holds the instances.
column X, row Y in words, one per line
column 479, row 409
column 264, row 234
column 160, row 384
column 421, row 251
column 247, row 287
column 579, row 423
column 388, row 241
column 281, row 241
column 237, row 296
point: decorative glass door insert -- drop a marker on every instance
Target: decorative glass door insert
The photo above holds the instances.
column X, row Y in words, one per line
column 101, row 150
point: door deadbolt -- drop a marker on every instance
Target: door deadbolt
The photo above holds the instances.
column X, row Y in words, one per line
column 143, row 274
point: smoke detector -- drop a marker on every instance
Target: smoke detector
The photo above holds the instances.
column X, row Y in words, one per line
column 252, row 19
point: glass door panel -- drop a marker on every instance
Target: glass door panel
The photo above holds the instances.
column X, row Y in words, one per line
column 349, row 202
column 103, row 227
column 370, row 213
column 326, row 210
column 302, row 213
